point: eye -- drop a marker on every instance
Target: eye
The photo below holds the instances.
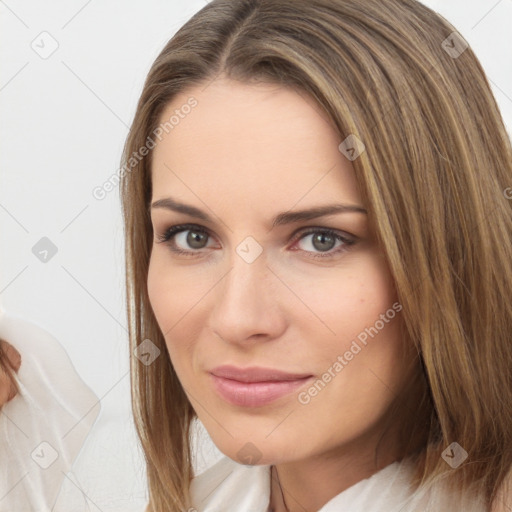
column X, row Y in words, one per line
column 183, row 237
column 189, row 239
column 324, row 240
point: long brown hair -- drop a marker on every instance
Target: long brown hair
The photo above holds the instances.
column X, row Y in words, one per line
column 435, row 175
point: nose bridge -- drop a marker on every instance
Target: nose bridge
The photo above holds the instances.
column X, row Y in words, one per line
column 246, row 284
column 245, row 301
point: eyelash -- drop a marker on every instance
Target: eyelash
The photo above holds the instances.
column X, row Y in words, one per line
column 167, row 236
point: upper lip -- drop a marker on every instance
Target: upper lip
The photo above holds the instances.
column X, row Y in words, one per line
column 255, row 374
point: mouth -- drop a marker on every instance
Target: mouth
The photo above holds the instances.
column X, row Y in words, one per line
column 256, row 386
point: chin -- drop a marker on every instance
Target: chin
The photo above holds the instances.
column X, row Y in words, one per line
column 253, row 451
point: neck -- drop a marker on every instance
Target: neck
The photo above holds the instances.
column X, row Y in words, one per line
column 307, row 485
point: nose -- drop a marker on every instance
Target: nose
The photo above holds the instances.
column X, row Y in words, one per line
column 247, row 303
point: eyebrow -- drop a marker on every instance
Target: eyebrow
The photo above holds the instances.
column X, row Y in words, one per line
column 288, row 217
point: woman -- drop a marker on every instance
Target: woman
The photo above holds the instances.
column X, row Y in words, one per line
column 316, row 197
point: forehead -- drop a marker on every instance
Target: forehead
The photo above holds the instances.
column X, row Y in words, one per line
column 261, row 141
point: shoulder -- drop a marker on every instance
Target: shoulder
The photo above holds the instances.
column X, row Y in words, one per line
column 228, row 485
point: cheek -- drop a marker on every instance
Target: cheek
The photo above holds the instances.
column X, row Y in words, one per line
column 365, row 351
column 162, row 302
column 175, row 296
column 341, row 303
column 172, row 292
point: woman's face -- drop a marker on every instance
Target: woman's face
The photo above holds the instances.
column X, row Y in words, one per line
column 261, row 287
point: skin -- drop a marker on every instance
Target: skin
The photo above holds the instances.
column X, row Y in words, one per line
column 244, row 154
column 10, row 356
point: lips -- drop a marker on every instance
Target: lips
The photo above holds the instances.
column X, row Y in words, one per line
column 255, row 386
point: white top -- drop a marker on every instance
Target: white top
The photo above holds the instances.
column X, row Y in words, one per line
column 43, row 428
column 229, row 486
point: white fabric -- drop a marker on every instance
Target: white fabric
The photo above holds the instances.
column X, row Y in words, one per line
column 109, row 474
column 44, row 427
column 228, row 486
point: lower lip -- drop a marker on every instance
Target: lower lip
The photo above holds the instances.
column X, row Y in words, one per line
column 255, row 394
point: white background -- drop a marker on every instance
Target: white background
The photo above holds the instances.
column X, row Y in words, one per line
column 64, row 121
